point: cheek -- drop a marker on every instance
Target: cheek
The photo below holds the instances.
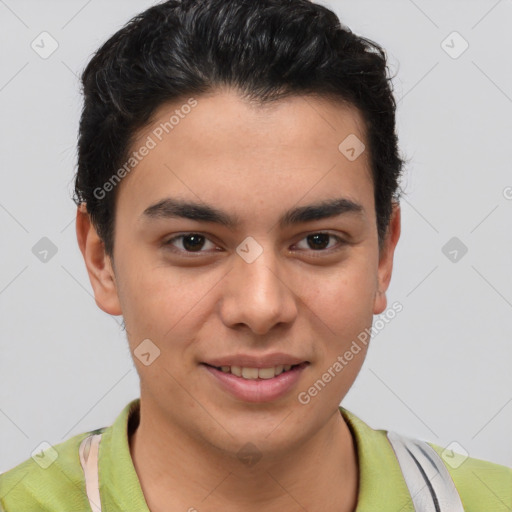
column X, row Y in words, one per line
column 343, row 313
column 159, row 302
column 343, row 299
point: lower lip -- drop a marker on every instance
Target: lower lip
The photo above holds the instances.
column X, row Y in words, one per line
column 258, row 390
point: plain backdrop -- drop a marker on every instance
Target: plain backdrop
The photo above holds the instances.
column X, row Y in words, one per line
column 440, row 371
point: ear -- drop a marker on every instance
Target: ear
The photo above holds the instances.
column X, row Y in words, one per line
column 386, row 255
column 98, row 263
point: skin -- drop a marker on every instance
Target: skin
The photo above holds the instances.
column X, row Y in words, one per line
column 256, row 163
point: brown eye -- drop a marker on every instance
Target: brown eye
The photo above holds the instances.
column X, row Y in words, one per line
column 193, row 242
column 318, row 240
column 321, row 241
column 190, row 243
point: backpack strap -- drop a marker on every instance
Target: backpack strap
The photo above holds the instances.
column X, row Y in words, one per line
column 427, row 478
column 88, row 453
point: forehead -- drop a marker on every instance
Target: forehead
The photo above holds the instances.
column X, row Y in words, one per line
column 221, row 149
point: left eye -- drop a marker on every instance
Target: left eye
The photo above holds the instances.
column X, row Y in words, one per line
column 320, row 241
column 194, row 242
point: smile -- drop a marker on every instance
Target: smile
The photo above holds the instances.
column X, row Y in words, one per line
column 251, row 384
column 255, row 373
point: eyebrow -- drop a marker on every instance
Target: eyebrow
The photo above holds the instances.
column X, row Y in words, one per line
column 177, row 208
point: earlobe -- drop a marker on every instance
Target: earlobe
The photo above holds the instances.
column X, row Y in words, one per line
column 98, row 264
column 386, row 260
column 380, row 302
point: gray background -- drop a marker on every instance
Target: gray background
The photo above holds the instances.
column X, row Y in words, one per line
column 440, row 371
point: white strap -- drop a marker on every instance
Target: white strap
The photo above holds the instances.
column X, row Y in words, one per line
column 429, row 482
column 88, row 452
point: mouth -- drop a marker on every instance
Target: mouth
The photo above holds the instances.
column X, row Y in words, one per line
column 251, row 373
column 251, row 384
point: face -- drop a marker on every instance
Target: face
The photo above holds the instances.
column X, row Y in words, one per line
column 257, row 275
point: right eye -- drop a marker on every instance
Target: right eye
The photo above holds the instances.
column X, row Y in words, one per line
column 191, row 243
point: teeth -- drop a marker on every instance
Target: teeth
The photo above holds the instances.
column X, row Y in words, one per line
column 266, row 373
column 255, row 373
column 250, row 373
column 236, row 370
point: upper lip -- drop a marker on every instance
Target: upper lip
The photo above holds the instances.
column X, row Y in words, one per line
column 251, row 361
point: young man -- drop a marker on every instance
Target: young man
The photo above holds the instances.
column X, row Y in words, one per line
column 237, row 204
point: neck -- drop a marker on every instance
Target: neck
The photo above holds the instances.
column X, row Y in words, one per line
column 320, row 474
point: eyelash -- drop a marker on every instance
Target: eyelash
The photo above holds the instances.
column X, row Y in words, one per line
column 341, row 243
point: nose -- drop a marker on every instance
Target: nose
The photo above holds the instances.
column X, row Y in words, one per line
column 258, row 295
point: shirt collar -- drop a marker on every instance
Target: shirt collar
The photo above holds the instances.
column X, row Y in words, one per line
column 381, row 484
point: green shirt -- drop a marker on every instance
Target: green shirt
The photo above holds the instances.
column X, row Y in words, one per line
column 483, row 486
